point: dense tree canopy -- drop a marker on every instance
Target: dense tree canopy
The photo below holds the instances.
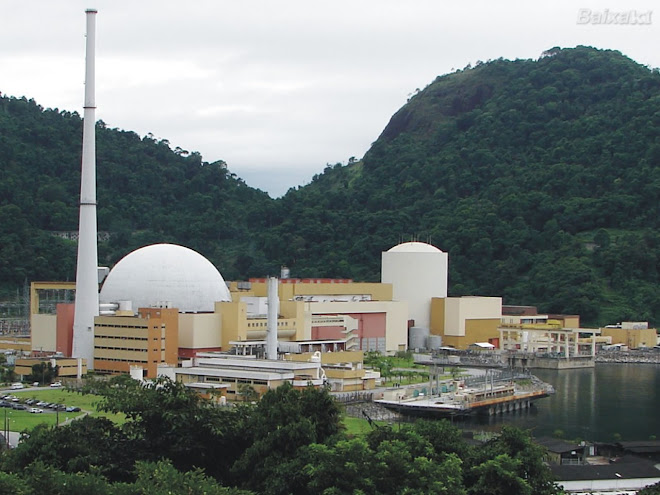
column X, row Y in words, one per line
column 540, row 178
column 290, row 442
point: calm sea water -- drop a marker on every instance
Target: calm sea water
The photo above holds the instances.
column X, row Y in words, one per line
column 597, row 404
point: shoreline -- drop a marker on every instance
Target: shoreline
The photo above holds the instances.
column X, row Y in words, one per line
column 629, row 357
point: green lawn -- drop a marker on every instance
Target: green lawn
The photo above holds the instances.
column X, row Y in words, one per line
column 359, row 426
column 25, row 420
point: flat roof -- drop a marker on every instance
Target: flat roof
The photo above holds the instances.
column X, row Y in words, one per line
column 256, row 364
column 628, row 467
column 206, row 385
column 232, row 373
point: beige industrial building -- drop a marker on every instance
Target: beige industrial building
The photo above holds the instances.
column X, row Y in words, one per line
column 244, row 377
column 462, row 321
column 635, row 335
column 149, row 340
column 66, row 367
column 344, row 371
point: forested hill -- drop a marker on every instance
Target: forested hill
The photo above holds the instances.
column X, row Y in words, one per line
column 146, row 193
column 541, row 179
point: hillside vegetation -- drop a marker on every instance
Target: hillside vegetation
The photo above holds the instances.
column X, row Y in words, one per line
column 540, row 178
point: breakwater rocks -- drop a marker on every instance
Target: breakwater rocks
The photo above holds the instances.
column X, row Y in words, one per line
column 651, row 356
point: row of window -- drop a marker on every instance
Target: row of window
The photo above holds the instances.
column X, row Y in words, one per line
column 115, row 348
column 123, row 360
column 264, row 324
column 218, row 379
column 101, row 325
column 117, row 337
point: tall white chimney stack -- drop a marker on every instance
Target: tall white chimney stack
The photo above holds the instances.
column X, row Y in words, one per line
column 271, row 322
column 87, row 285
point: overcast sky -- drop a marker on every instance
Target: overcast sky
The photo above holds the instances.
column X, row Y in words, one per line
column 280, row 88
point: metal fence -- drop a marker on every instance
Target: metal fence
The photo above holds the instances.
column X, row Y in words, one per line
column 353, row 397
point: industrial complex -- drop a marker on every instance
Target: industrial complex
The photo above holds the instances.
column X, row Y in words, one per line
column 164, row 309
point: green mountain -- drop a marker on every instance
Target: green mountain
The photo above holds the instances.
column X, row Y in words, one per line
column 541, row 179
column 146, row 193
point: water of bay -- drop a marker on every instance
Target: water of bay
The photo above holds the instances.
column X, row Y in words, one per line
column 600, row 404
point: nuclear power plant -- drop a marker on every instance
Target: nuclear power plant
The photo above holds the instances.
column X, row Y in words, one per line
column 165, row 309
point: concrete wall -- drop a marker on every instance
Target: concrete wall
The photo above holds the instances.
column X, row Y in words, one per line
column 392, row 324
column 475, row 331
column 65, row 313
column 289, row 290
column 437, row 316
column 460, row 309
column 200, row 330
column 632, row 338
column 44, row 332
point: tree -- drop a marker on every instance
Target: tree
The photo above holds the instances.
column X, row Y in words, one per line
column 283, row 421
column 85, row 445
column 166, row 419
column 248, row 392
column 161, row 478
column 499, row 476
column 43, row 373
column 522, row 455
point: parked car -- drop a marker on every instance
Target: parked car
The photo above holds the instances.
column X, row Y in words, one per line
column 41, row 403
column 36, row 410
column 17, row 386
column 56, row 384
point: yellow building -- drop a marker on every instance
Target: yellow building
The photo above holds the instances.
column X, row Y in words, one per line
column 635, row 335
column 344, row 370
column 67, row 367
column 462, row 321
column 245, row 378
column 315, row 289
column 51, row 324
column 148, row 340
column 244, row 318
column 317, row 309
column 18, row 344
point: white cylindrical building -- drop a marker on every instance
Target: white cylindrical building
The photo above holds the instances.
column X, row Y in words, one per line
column 418, row 272
column 87, row 285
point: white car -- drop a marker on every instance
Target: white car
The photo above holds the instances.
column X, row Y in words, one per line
column 56, row 384
column 36, row 410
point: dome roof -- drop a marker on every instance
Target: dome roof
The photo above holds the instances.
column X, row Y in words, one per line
column 414, row 247
column 165, row 273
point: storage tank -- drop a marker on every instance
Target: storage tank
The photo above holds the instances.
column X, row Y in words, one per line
column 434, row 342
column 417, row 337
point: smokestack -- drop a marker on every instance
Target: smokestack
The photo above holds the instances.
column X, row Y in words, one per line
column 273, row 310
column 87, row 287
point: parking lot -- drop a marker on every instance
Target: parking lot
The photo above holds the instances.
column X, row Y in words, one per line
column 34, row 406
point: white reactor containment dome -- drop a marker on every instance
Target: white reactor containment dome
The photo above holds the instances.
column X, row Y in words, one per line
column 418, row 272
column 165, row 274
column 414, row 247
